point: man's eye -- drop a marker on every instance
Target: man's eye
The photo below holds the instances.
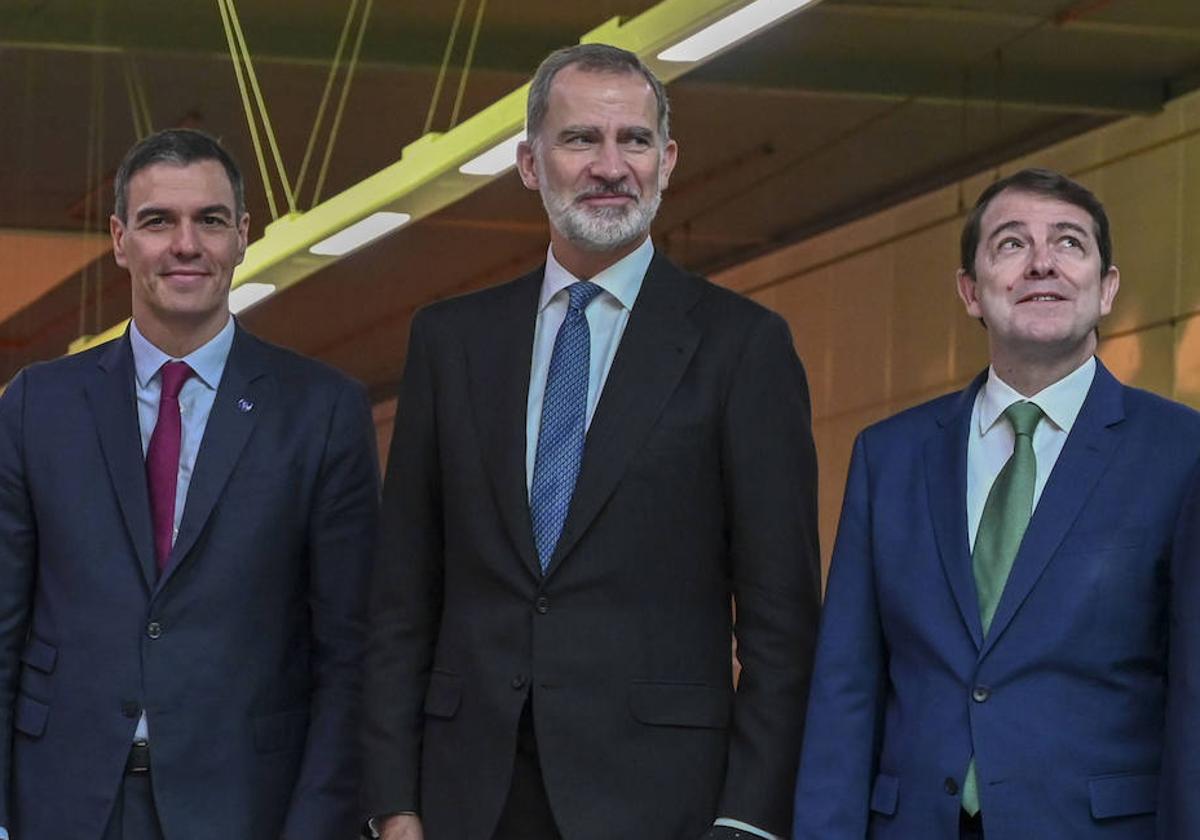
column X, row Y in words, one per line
column 577, row 140
column 1009, row 244
column 1071, row 242
column 212, row 221
column 154, row 222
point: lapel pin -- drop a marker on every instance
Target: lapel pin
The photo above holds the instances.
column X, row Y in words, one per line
column 244, row 405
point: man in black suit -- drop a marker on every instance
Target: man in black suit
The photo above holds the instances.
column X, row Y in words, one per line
column 550, row 622
column 187, row 517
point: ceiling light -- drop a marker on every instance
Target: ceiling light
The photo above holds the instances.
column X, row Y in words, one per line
column 496, row 159
column 248, row 294
column 359, row 233
column 731, row 29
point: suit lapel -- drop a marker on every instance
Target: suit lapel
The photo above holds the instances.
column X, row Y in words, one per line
column 1084, row 458
column 113, row 401
column 499, row 356
column 243, row 394
column 655, row 350
column 946, row 483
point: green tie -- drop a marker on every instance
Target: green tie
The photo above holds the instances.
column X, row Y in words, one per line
column 1005, row 518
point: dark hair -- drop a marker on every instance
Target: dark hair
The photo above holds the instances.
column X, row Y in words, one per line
column 590, row 58
column 177, row 146
column 1039, row 182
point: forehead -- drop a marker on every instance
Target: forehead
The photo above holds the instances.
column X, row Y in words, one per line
column 1032, row 209
column 200, row 183
column 592, row 98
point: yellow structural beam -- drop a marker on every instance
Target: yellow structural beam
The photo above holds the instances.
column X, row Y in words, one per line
column 426, row 178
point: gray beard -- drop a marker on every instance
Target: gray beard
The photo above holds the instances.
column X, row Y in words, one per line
column 604, row 229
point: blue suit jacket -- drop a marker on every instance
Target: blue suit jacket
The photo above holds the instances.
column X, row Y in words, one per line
column 1063, row 703
column 245, row 654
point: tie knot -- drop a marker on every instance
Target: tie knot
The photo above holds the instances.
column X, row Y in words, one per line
column 582, row 293
column 173, row 375
column 1024, row 417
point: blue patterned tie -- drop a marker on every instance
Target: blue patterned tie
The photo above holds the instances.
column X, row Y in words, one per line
column 564, row 418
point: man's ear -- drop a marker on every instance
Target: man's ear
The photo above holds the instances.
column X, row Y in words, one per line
column 666, row 166
column 968, row 293
column 1109, row 284
column 117, row 229
column 243, row 227
column 526, row 165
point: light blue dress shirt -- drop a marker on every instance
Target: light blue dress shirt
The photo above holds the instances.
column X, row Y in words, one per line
column 607, row 317
column 195, row 404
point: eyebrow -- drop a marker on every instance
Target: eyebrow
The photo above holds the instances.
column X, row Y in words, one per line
column 1014, row 224
column 208, row 210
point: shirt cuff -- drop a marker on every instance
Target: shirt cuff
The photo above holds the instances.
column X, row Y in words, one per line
column 726, row 822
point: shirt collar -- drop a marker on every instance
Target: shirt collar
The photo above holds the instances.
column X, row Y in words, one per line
column 207, row 361
column 622, row 279
column 1061, row 402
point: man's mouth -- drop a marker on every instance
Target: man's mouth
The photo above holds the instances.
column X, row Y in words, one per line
column 1042, row 297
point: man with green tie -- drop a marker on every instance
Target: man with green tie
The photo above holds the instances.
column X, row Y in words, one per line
column 993, row 657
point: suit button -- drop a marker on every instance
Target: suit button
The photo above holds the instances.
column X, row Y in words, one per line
column 518, row 682
column 950, row 786
column 130, row 708
column 980, row 693
column 153, row 629
column 542, row 605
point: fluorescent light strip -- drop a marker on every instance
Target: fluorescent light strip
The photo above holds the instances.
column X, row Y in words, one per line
column 496, row 159
column 359, row 233
column 248, row 294
column 731, row 29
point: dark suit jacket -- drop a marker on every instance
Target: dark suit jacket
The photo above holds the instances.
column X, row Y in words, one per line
column 698, row 482
column 1063, row 702
column 245, row 655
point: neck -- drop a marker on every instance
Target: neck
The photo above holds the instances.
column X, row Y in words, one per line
column 1029, row 374
column 585, row 264
column 179, row 339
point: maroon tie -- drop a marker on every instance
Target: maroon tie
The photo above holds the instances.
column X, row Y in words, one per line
column 162, row 459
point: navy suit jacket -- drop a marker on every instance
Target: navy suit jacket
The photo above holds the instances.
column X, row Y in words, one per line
column 1063, row 703
column 245, row 654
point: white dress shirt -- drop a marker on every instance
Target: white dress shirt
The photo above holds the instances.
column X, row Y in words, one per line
column 991, row 438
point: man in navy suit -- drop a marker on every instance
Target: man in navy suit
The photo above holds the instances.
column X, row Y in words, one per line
column 186, row 525
column 532, row 677
column 993, row 657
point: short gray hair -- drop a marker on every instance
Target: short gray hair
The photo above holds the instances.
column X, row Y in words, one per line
column 591, row 58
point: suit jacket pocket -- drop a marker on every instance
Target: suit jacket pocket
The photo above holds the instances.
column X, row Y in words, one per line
column 680, row 704
column 885, row 793
column 444, row 694
column 281, row 731
column 40, row 655
column 29, row 716
column 1123, row 795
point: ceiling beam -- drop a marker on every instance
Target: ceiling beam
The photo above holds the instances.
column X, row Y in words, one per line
column 914, row 13
column 1037, row 89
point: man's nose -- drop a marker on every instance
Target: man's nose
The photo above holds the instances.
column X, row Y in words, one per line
column 1041, row 262
column 186, row 239
column 609, row 163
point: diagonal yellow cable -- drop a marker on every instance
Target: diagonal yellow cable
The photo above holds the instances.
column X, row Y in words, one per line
column 337, row 60
column 441, row 77
column 246, row 106
column 337, row 117
column 139, row 87
column 134, row 110
column 462, row 82
column 262, row 106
